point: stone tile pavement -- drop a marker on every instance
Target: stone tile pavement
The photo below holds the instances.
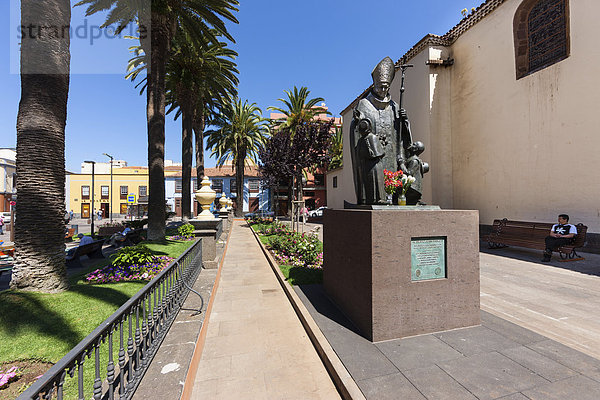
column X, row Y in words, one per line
column 539, row 338
column 256, row 348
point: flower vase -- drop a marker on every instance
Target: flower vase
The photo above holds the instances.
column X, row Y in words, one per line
column 402, row 200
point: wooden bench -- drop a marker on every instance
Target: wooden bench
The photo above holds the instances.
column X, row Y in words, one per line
column 531, row 235
column 131, row 238
column 134, row 236
column 4, row 269
column 109, row 230
column 92, row 250
column 69, row 235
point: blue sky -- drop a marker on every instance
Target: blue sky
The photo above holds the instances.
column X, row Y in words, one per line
column 330, row 46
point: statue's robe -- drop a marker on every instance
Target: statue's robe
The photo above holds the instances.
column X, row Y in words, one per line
column 384, row 117
column 370, row 154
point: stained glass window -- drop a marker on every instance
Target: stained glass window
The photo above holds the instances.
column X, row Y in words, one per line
column 541, row 29
column 547, row 30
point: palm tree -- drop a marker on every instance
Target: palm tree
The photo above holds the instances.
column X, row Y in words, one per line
column 299, row 109
column 240, row 133
column 337, row 149
column 198, row 81
column 163, row 20
column 41, row 150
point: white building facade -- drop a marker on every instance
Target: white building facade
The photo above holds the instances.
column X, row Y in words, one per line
column 256, row 197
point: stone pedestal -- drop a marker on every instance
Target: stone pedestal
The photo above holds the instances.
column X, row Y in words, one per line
column 224, row 215
column 404, row 271
column 210, row 231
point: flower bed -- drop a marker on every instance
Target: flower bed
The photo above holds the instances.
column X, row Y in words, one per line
column 300, row 256
column 296, row 249
column 135, row 272
column 182, row 238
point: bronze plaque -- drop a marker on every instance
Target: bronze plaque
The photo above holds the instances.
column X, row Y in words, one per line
column 428, row 258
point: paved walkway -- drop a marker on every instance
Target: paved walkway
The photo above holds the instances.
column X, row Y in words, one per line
column 559, row 300
column 538, row 316
column 256, row 347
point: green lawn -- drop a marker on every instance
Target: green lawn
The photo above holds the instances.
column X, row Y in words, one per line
column 46, row 326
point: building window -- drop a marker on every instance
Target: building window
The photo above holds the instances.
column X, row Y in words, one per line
column 178, row 186
column 85, row 192
column 253, row 185
column 232, row 186
column 319, row 180
column 104, row 192
column 217, row 185
column 334, row 181
column 143, row 191
column 124, row 190
column 541, row 34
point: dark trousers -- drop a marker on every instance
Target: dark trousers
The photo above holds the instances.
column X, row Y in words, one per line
column 553, row 243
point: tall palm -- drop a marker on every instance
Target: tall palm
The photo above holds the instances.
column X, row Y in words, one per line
column 198, row 81
column 240, row 133
column 165, row 17
column 41, row 123
column 298, row 108
column 337, row 149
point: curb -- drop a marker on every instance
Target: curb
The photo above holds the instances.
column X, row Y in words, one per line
column 342, row 380
column 188, row 385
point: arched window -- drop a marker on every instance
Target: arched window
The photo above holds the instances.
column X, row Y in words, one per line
column 541, row 33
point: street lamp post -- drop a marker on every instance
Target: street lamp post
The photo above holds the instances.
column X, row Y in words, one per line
column 92, row 206
column 110, row 208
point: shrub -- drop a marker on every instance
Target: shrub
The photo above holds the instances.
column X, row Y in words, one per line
column 186, row 230
column 302, row 250
column 131, row 255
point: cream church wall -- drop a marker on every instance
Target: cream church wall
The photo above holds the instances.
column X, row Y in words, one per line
column 526, row 149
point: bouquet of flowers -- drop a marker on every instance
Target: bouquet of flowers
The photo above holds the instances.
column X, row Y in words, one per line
column 393, row 181
column 397, row 182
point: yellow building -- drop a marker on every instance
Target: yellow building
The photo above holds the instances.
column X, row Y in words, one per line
column 126, row 181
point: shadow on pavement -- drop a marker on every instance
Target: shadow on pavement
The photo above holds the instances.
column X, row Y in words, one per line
column 590, row 265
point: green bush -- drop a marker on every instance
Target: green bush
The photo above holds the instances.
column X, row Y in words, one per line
column 131, row 255
column 297, row 249
column 186, row 230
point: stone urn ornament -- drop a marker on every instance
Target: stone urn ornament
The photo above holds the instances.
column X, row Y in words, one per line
column 205, row 196
column 229, row 204
column 223, row 202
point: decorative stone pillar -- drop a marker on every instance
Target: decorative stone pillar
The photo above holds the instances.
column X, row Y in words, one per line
column 223, row 212
column 223, row 202
column 205, row 196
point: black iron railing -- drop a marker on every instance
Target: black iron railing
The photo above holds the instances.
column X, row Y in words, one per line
column 125, row 343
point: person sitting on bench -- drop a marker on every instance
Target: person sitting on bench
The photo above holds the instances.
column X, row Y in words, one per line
column 560, row 234
column 119, row 237
column 83, row 240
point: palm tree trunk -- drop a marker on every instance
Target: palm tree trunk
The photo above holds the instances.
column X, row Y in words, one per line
column 199, row 124
column 239, row 184
column 290, row 195
column 41, row 121
column 186, row 159
column 161, row 33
